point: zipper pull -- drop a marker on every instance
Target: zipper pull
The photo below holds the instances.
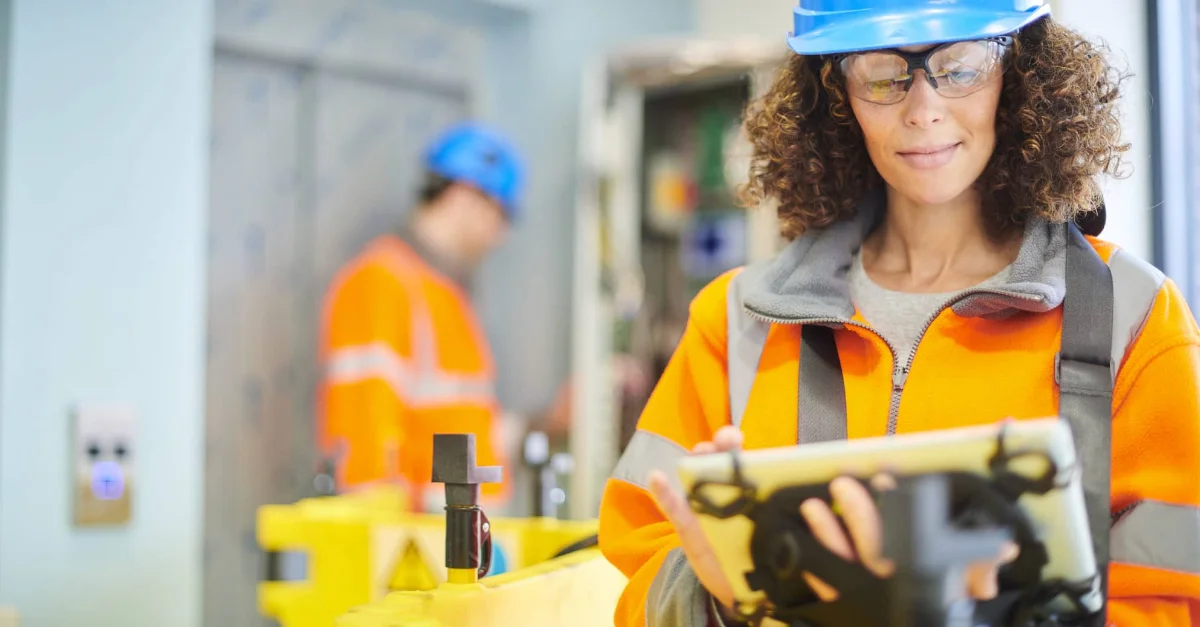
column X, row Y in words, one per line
column 899, row 378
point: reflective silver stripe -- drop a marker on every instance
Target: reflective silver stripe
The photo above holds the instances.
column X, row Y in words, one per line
column 648, row 452
column 435, row 389
column 417, row 387
column 1135, row 287
column 745, row 339
column 1158, row 535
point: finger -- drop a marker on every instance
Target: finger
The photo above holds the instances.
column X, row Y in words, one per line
column 1009, row 552
column 673, row 505
column 728, row 438
column 827, row 531
column 691, row 538
column 983, row 577
column 883, row 482
column 704, row 448
column 862, row 520
column 825, row 528
column 824, row 591
column 981, row 581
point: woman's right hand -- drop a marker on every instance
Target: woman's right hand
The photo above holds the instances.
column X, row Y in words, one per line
column 687, row 525
column 858, row 511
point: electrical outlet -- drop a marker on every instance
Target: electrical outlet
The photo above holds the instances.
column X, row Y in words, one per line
column 103, row 480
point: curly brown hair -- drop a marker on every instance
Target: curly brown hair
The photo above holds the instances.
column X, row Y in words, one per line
column 1057, row 128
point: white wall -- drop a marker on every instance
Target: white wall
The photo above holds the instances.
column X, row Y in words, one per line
column 101, row 300
column 1121, row 23
column 766, row 18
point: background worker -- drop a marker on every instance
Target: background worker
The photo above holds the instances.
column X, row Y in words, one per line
column 934, row 165
column 403, row 352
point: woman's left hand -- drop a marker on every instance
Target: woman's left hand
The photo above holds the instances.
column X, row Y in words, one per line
column 865, row 542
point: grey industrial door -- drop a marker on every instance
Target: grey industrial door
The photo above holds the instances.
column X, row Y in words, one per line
column 308, row 164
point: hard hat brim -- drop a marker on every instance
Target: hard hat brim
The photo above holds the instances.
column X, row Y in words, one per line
column 877, row 29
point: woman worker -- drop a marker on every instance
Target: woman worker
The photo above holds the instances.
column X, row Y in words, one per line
column 934, row 165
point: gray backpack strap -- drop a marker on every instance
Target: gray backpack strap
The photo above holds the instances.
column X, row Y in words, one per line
column 822, row 408
column 1084, row 373
column 745, row 338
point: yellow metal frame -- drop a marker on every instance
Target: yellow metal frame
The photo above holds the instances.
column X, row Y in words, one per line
column 580, row 590
column 356, row 544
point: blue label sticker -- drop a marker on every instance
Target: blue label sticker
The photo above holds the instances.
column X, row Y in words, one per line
column 712, row 245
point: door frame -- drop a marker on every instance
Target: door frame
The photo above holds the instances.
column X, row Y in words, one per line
column 1174, row 26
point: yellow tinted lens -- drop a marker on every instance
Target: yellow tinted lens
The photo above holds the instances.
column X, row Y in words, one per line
column 876, row 76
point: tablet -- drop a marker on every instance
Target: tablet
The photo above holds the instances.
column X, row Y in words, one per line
column 1058, row 515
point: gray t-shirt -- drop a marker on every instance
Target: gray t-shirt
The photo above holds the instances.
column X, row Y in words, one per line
column 900, row 316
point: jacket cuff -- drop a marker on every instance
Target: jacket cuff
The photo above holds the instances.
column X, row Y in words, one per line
column 676, row 597
column 716, row 618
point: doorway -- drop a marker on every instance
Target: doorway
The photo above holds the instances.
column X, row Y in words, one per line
column 312, row 155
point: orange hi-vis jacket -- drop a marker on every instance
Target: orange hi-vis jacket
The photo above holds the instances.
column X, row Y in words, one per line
column 984, row 358
column 404, row 358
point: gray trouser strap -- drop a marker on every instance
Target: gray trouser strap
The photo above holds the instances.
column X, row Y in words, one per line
column 1084, row 375
column 822, row 400
column 822, row 409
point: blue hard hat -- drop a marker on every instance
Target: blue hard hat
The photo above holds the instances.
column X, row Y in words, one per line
column 833, row 26
column 474, row 154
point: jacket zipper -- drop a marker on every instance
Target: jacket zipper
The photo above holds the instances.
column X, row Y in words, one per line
column 1116, row 517
column 899, row 372
column 899, row 376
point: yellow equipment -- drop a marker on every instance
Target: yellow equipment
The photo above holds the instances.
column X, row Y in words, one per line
column 579, row 590
column 359, row 547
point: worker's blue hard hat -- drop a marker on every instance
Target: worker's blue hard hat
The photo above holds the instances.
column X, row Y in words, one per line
column 833, row 26
column 474, row 154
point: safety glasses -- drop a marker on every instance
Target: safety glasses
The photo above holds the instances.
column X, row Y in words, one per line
column 955, row 70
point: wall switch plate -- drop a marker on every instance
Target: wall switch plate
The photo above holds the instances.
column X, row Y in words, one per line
column 103, row 478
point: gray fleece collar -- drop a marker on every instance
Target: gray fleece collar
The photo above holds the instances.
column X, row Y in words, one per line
column 808, row 280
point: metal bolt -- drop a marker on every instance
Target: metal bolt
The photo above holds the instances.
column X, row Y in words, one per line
column 323, row 484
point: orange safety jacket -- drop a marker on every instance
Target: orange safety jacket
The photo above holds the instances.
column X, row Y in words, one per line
column 404, row 358
column 986, row 357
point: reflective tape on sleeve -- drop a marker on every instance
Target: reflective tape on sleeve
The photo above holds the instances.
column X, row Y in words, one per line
column 646, row 453
column 1158, row 535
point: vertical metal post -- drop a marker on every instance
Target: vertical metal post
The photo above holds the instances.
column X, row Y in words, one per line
column 468, row 533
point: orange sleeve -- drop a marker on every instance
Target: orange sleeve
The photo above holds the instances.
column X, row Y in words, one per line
column 1155, row 569
column 366, row 337
column 689, row 403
